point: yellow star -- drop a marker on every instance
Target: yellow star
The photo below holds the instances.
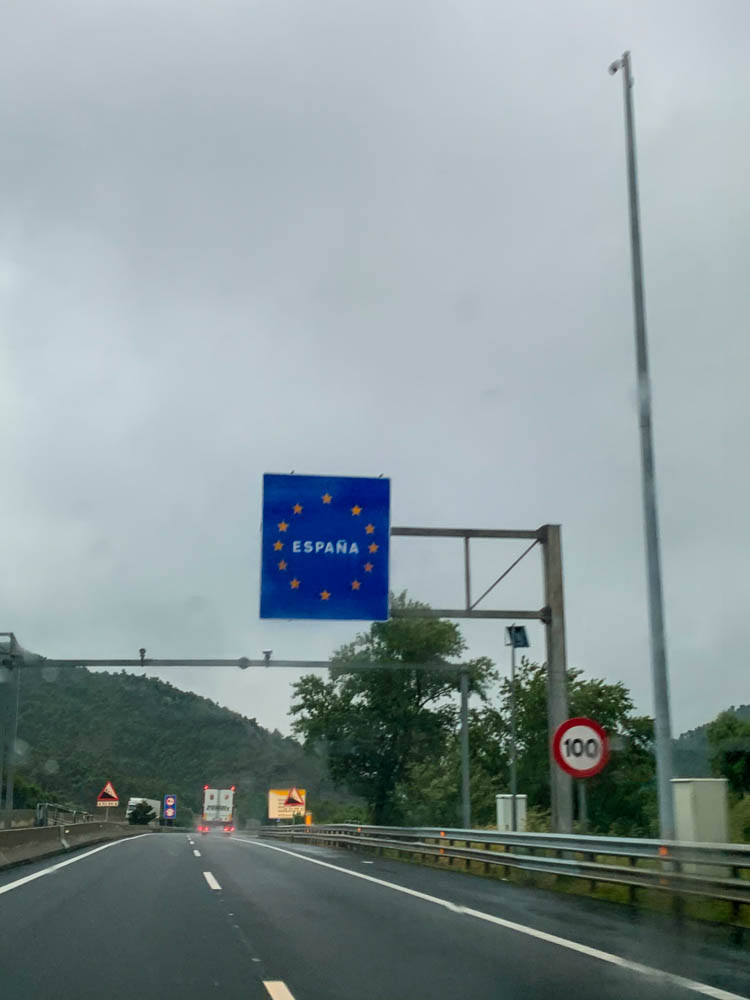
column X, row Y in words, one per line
column 327, row 498
column 297, row 508
column 356, row 510
column 373, row 547
column 356, row 584
column 282, row 564
column 324, row 595
column 368, row 567
column 369, row 528
column 282, row 525
column 294, row 584
column 278, row 546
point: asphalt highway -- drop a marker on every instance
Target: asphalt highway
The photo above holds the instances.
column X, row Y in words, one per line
column 170, row 915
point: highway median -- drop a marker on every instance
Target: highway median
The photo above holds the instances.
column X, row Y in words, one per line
column 18, row 847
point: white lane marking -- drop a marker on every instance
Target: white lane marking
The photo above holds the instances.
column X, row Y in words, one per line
column 583, row 949
column 211, row 880
column 368, row 862
column 277, row 990
column 191, row 842
column 197, row 854
column 63, row 864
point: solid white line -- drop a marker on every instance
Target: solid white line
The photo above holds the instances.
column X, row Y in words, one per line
column 63, row 864
column 211, row 880
column 277, row 990
column 583, row 949
column 197, row 854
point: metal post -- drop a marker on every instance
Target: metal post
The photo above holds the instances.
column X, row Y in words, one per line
column 583, row 814
column 662, row 723
column 561, row 791
column 4, row 720
column 465, row 790
column 467, row 574
column 11, row 752
column 513, row 737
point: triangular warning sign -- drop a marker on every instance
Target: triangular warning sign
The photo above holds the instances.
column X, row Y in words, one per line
column 108, row 793
column 294, row 798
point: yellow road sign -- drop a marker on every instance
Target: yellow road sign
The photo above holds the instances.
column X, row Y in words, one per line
column 285, row 803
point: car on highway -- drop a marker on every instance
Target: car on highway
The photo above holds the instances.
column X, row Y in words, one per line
column 204, row 828
column 229, row 829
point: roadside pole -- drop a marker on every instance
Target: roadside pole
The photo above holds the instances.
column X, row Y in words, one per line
column 583, row 813
column 513, row 737
column 12, row 738
column 515, row 637
column 465, row 787
column 561, row 790
column 660, row 678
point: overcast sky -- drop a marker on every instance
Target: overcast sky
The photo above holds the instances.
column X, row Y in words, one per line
column 370, row 238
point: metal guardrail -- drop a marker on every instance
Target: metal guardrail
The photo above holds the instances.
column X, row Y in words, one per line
column 53, row 814
column 715, row 871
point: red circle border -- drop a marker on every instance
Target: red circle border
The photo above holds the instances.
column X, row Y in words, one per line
column 557, row 740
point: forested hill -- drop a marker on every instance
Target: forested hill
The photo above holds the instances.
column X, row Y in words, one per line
column 691, row 752
column 78, row 729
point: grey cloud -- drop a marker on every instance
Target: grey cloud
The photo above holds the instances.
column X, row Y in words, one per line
column 368, row 238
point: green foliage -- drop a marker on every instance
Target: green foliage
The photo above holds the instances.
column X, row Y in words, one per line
column 184, row 817
column 146, row 736
column 375, row 725
column 142, row 814
column 691, row 752
column 739, row 820
column 729, row 750
column 26, row 793
column 621, row 800
column 331, row 811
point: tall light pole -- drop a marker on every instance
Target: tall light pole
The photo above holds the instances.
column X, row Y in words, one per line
column 662, row 723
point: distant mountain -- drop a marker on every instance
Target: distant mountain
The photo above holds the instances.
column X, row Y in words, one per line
column 78, row 729
column 690, row 750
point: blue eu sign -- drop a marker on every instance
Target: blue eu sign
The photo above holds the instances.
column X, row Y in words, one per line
column 325, row 547
column 170, row 806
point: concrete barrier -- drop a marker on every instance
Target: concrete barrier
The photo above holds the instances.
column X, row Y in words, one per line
column 18, row 846
column 18, row 818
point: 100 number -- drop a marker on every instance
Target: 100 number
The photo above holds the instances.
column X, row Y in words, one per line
column 579, row 748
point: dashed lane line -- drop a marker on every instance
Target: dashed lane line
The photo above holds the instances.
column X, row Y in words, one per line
column 213, row 884
column 277, row 990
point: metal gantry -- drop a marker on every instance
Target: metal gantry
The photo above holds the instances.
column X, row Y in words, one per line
column 551, row 614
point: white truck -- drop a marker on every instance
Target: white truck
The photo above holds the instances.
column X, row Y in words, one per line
column 218, row 810
column 132, row 803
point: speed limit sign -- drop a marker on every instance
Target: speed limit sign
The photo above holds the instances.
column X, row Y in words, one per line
column 581, row 747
